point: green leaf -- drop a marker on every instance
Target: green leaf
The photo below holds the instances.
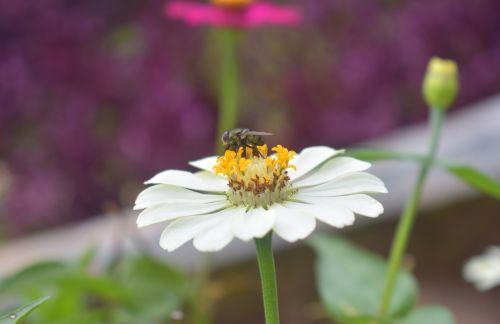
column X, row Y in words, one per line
column 102, row 287
column 146, row 272
column 20, row 313
column 72, row 289
column 160, row 289
column 469, row 175
column 474, row 178
column 34, row 280
column 138, row 289
column 350, row 281
column 42, row 271
column 429, row 315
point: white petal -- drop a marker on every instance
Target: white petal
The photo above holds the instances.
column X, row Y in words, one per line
column 165, row 212
column 332, row 169
column 205, row 163
column 293, row 224
column 336, row 216
column 218, row 235
column 358, row 203
column 310, row 158
column 357, row 182
column 162, row 193
column 255, row 223
column 202, row 181
column 182, row 230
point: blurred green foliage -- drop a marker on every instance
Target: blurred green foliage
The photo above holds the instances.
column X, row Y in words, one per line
column 350, row 281
column 428, row 314
column 135, row 289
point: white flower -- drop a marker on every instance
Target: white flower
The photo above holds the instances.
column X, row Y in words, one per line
column 248, row 193
column 484, row 270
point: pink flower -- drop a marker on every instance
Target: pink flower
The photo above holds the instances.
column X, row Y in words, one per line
column 241, row 14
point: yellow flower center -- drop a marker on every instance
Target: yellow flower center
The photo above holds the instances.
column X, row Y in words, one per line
column 232, row 3
column 256, row 178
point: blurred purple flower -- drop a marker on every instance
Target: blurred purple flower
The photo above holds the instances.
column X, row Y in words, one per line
column 97, row 95
column 45, row 191
column 92, row 99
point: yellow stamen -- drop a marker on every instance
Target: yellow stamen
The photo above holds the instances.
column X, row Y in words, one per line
column 240, row 152
column 244, row 164
column 284, row 156
column 262, row 150
column 249, row 152
column 256, row 180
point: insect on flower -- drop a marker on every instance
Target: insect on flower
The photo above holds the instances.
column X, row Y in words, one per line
column 252, row 190
column 244, row 138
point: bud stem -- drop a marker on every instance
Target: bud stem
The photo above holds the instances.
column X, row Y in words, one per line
column 407, row 219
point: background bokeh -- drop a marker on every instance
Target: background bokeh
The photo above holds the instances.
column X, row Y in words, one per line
column 96, row 96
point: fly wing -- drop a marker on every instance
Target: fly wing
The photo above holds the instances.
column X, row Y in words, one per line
column 258, row 133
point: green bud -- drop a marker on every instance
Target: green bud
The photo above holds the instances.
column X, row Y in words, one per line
column 440, row 86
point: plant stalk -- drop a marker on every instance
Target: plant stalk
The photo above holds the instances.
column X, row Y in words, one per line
column 227, row 118
column 265, row 259
column 407, row 219
column 228, row 83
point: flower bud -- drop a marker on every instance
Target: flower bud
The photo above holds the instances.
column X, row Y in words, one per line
column 440, row 86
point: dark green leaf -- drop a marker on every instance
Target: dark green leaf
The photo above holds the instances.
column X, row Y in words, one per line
column 350, row 281
column 429, row 315
column 138, row 289
column 80, row 317
column 71, row 288
column 20, row 313
column 101, row 287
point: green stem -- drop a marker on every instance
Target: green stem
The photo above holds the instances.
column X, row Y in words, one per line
column 265, row 259
column 228, row 83
column 407, row 219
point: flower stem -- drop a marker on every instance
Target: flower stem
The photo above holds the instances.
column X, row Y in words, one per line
column 228, row 83
column 407, row 219
column 265, row 259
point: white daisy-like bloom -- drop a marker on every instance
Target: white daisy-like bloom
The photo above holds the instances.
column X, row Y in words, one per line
column 484, row 270
column 247, row 194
